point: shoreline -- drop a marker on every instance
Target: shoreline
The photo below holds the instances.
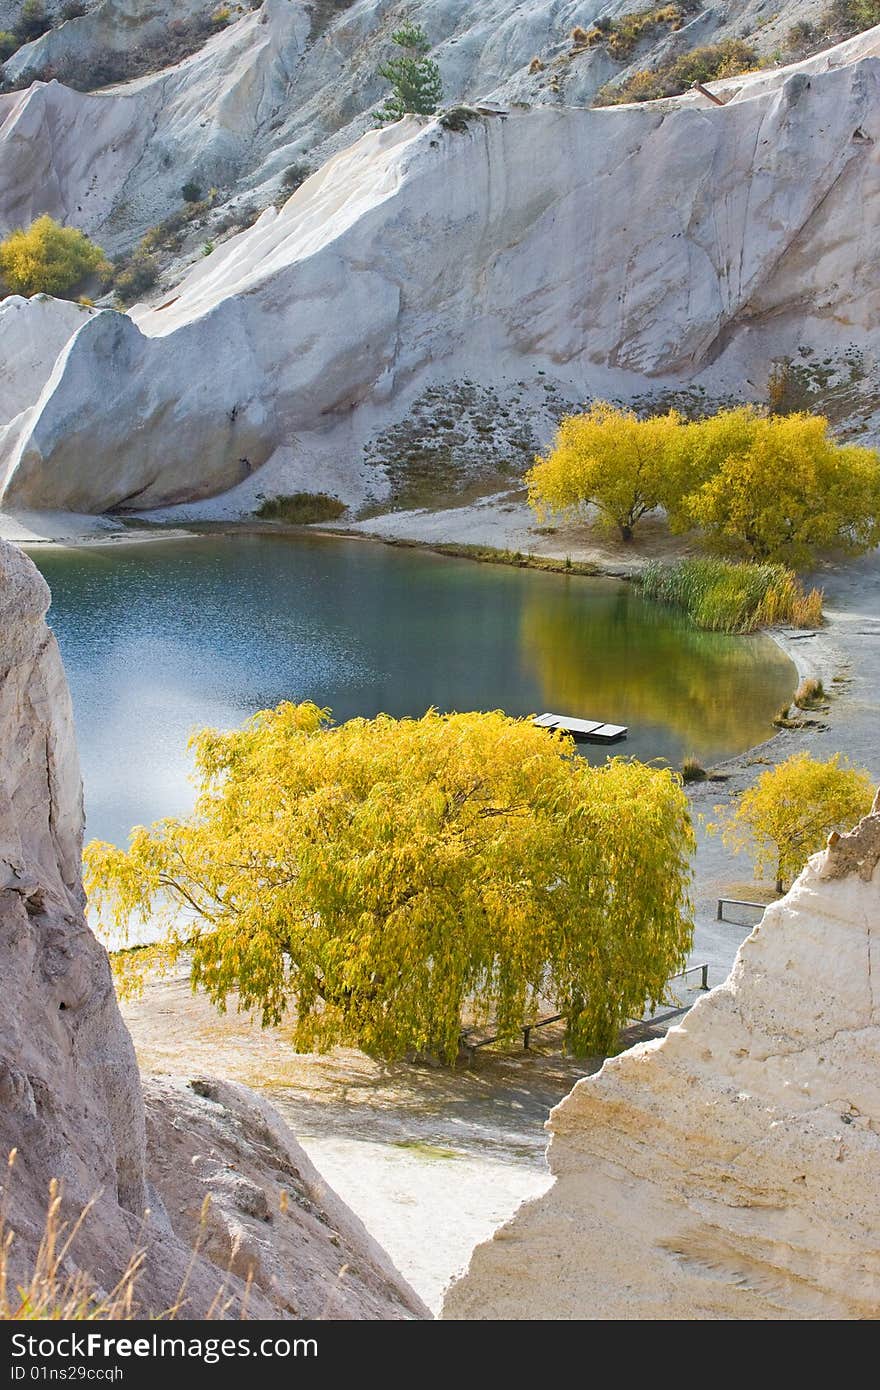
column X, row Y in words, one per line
column 467, row 1140
column 504, row 527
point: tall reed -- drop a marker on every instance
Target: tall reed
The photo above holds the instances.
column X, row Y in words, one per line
column 723, row 596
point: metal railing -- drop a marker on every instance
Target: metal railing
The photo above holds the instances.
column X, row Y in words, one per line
column 759, row 908
column 528, row 1028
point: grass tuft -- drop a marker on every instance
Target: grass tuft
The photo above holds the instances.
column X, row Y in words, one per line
column 723, row 596
column 301, row 508
column 692, row 770
column 810, row 692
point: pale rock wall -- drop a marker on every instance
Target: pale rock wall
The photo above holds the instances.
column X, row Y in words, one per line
column 70, row 1093
column 114, row 25
column 32, row 333
column 732, row 1169
column 604, row 246
column 271, row 1217
column 298, row 79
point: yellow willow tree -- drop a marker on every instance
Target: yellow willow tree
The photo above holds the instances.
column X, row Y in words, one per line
column 781, row 488
column 790, row 811
column 610, row 460
column 386, row 879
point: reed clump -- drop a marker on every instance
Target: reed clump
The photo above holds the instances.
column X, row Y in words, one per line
column 726, row 596
column 692, row 770
column 810, row 692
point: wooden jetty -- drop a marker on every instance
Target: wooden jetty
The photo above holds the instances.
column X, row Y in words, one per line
column 583, row 730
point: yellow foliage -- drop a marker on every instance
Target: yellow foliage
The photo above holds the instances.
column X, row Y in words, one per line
column 382, row 875
column 608, row 459
column 783, row 490
column 47, row 258
column 774, row 488
column 790, row 811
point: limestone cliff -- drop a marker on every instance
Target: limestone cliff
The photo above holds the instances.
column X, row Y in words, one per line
column 673, row 241
column 70, row 1094
column 284, row 82
column 732, row 1169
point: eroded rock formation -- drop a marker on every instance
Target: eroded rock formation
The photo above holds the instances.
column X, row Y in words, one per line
column 732, row 1169
column 599, row 247
column 70, row 1094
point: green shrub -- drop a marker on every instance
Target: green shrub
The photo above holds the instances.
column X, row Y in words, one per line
column 221, row 16
column 237, row 219
column 852, row 16
column 800, row 34
column 8, row 44
column 33, row 21
column 133, row 276
column 723, row 596
column 191, row 192
column 301, row 508
column 75, row 9
column 295, row 175
column 47, row 258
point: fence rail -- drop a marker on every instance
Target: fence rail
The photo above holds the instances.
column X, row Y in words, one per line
column 528, row 1028
column 753, row 912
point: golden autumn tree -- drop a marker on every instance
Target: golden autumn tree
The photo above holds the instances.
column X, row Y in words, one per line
column 779, row 488
column 386, row 879
column 790, row 811
column 610, row 460
column 47, row 258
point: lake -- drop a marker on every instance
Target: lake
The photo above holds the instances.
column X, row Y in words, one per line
column 162, row 637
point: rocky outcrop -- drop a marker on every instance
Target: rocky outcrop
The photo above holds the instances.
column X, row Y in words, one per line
column 33, row 332
column 599, row 247
column 271, row 1216
column 291, row 80
column 730, row 1170
column 70, row 1094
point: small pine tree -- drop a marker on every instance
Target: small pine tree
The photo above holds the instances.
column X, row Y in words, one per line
column 417, row 86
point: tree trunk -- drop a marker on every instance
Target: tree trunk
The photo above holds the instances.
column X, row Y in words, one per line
column 626, row 532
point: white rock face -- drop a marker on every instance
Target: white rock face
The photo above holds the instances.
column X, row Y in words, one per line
column 294, row 80
column 730, row 1170
column 32, row 333
column 70, row 1094
column 272, row 1216
column 604, row 246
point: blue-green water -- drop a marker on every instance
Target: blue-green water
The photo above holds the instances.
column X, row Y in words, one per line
column 164, row 637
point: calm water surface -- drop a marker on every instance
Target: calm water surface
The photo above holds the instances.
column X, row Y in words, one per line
column 163, row 637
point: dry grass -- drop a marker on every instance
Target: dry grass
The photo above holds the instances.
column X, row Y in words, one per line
column 56, row 1290
column 703, row 64
column 692, row 770
column 810, row 692
column 53, row 1291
